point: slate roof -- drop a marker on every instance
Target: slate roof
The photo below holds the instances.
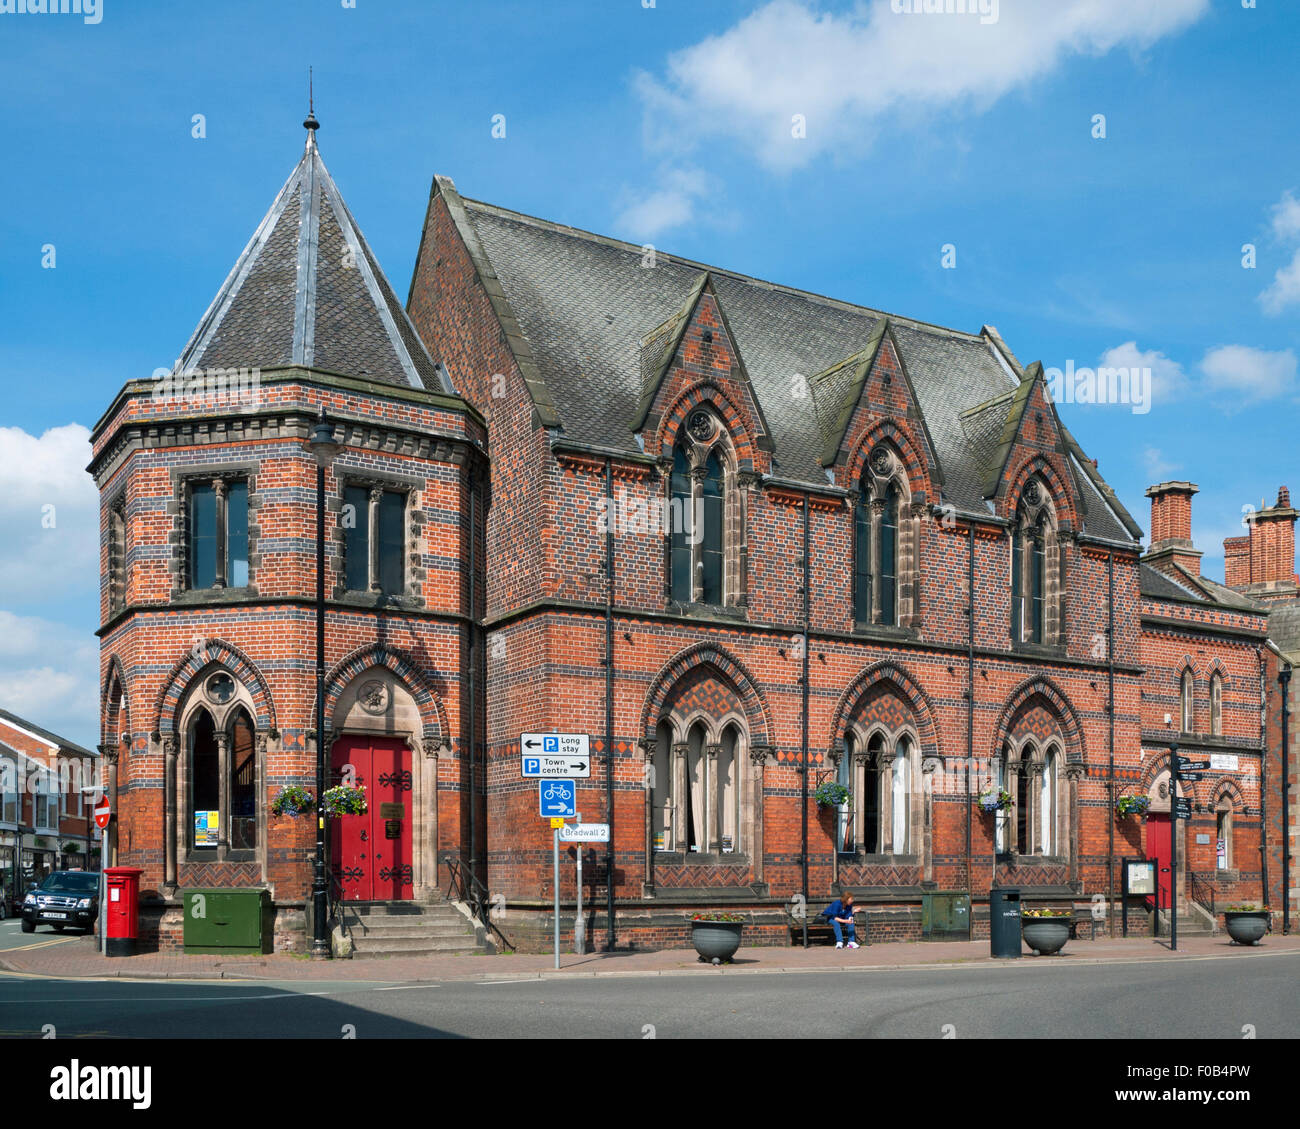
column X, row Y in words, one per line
column 1156, row 584
column 1284, row 628
column 599, row 323
column 307, row 290
column 52, row 738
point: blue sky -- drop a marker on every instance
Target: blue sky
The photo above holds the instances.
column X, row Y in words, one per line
column 672, row 124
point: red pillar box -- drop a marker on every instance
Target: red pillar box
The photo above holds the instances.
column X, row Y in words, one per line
column 122, row 910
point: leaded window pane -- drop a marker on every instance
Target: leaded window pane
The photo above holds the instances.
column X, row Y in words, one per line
column 243, row 786
column 889, row 557
column 711, row 545
column 862, row 561
column 392, row 543
column 356, row 538
column 680, row 517
column 237, row 535
column 202, row 548
column 205, row 782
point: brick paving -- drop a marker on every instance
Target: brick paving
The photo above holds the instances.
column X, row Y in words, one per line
column 78, row 958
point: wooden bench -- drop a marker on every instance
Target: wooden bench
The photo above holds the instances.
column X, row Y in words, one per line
column 1083, row 917
column 819, row 927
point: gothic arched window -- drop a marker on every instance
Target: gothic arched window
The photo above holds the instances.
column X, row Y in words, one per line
column 1037, row 583
column 1187, row 700
column 1216, row 704
column 706, row 535
column 886, row 536
column 695, row 788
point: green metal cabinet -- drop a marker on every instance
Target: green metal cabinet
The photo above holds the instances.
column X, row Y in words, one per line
column 945, row 916
column 228, row 921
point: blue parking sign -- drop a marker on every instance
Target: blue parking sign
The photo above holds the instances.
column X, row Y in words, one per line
column 532, row 766
column 550, row 744
column 557, row 798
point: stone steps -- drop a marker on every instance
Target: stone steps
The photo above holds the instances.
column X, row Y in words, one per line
column 382, row 929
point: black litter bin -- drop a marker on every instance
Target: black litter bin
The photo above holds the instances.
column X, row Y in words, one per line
column 1004, row 921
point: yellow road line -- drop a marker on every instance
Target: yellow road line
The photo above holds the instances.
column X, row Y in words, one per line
column 38, row 945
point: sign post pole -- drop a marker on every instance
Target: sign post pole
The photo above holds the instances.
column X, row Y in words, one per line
column 579, row 925
column 1173, row 850
column 555, row 837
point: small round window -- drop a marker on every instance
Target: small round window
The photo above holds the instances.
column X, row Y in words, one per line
column 221, row 688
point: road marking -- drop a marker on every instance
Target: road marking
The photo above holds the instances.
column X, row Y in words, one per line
column 39, row 944
column 494, row 983
column 406, row 987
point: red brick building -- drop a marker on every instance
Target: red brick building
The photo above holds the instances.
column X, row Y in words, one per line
column 45, row 820
column 724, row 527
column 1262, row 565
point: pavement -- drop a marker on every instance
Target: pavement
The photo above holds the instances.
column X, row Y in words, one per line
column 52, row 956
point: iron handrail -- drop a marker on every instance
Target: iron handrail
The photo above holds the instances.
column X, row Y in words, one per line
column 1201, row 888
column 465, row 886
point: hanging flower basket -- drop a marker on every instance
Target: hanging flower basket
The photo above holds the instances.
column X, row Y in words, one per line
column 292, row 801
column 994, row 799
column 831, row 793
column 1132, row 805
column 345, row 800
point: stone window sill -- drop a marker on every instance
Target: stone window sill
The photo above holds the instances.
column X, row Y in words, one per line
column 701, row 858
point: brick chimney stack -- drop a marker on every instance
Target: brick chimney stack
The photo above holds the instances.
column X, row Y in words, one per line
column 1171, row 527
column 1263, row 564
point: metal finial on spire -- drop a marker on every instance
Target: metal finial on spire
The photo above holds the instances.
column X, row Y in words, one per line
column 311, row 123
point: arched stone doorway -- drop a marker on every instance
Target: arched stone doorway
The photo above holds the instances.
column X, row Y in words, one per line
column 378, row 739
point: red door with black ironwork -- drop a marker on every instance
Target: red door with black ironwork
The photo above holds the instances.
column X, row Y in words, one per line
column 370, row 854
column 1158, row 848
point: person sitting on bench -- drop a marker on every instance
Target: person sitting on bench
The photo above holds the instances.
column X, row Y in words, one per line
column 840, row 915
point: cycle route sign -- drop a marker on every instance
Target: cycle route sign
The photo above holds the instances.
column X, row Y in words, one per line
column 557, row 799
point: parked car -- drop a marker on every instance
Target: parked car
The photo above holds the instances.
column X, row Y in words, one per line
column 65, row 897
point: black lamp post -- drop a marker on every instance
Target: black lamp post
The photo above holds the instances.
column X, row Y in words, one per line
column 324, row 448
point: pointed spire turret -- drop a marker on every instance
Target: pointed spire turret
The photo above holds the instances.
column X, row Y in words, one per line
column 308, row 291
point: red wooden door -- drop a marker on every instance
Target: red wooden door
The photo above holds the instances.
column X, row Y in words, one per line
column 1158, row 848
column 371, row 853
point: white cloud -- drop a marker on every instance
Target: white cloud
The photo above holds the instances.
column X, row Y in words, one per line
column 1284, row 290
column 49, row 512
column 670, row 202
column 1286, row 217
column 49, row 674
column 845, row 73
column 1154, row 460
column 1168, row 380
column 1251, row 374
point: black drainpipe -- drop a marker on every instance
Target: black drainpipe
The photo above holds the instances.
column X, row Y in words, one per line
column 473, row 670
column 1284, row 681
column 970, row 703
column 1263, row 775
column 1110, row 738
column 609, row 697
column 803, row 773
